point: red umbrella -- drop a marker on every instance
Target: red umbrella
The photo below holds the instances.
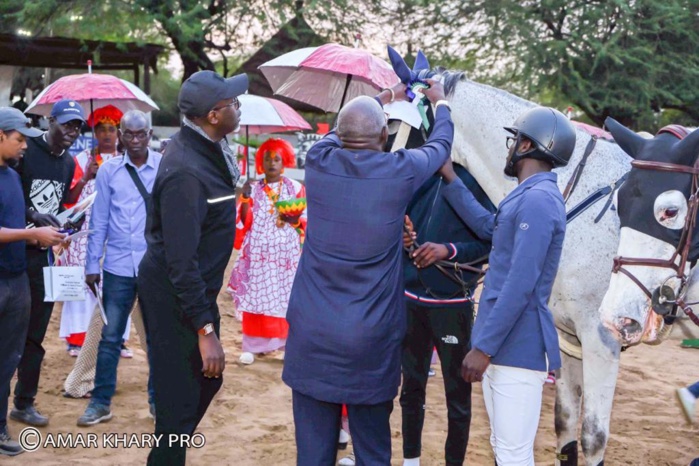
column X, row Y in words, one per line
column 328, row 76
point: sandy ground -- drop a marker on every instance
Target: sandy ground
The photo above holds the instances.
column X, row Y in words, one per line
column 250, row 422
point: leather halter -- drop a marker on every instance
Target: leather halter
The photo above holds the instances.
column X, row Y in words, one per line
column 683, row 247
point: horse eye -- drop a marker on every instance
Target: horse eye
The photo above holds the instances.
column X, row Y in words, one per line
column 671, row 212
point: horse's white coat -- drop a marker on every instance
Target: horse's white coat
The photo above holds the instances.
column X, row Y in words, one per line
column 625, row 309
column 480, row 112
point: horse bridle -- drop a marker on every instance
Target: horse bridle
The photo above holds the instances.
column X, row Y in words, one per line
column 665, row 295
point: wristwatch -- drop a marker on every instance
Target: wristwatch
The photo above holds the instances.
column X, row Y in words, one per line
column 206, row 329
column 442, row 102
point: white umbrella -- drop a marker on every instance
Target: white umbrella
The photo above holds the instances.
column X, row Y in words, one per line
column 261, row 115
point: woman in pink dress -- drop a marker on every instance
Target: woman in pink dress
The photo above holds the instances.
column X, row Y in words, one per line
column 271, row 237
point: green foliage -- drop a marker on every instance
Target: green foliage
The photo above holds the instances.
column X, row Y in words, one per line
column 629, row 60
column 634, row 60
column 164, row 91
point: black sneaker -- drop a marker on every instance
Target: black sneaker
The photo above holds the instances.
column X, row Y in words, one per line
column 94, row 414
column 8, row 446
column 30, row 416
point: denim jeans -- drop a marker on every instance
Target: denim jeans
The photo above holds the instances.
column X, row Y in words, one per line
column 119, row 296
column 14, row 322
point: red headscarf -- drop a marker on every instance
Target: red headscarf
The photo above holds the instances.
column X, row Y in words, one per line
column 109, row 115
column 279, row 146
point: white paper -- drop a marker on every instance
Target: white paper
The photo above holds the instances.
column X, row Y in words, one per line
column 404, row 111
column 98, row 295
column 64, row 284
column 85, row 204
column 78, row 234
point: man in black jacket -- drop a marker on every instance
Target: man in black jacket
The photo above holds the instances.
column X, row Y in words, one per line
column 440, row 314
column 190, row 235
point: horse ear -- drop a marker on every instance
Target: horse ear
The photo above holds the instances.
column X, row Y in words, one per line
column 399, row 66
column 630, row 142
column 688, row 148
column 421, row 62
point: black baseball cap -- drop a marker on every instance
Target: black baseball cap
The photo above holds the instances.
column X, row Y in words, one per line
column 67, row 110
column 12, row 119
column 201, row 91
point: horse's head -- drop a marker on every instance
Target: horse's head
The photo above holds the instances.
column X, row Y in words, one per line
column 656, row 218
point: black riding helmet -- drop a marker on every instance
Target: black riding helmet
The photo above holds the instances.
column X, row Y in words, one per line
column 552, row 135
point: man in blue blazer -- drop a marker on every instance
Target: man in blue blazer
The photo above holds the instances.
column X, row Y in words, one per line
column 346, row 312
column 514, row 342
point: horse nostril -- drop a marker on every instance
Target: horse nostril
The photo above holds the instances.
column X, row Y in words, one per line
column 628, row 327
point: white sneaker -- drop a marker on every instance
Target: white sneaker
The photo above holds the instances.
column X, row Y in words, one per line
column 347, row 461
column 247, row 358
column 688, row 403
column 411, row 461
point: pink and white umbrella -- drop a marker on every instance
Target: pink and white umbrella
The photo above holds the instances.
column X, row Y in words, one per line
column 261, row 115
column 96, row 90
column 328, row 76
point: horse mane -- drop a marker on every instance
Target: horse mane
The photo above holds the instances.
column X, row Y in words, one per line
column 452, row 77
column 449, row 78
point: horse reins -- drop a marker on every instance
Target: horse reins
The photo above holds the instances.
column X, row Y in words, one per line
column 683, row 247
column 452, row 270
column 577, row 173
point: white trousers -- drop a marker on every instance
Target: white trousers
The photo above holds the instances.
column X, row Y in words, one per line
column 512, row 398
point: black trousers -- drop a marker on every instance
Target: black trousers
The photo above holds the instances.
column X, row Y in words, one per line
column 449, row 329
column 317, row 426
column 29, row 368
column 181, row 392
column 14, row 322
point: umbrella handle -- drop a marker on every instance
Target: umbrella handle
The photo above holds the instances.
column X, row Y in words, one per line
column 247, row 151
column 344, row 96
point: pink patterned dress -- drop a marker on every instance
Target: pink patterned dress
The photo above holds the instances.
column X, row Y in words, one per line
column 261, row 280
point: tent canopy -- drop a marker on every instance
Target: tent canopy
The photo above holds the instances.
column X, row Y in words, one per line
column 61, row 52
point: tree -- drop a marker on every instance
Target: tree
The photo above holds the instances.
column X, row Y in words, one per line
column 195, row 29
column 628, row 59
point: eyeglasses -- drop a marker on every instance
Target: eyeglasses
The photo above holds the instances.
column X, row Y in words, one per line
column 235, row 104
column 510, row 141
column 129, row 136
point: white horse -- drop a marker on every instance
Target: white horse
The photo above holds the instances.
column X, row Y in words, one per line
column 479, row 113
column 653, row 208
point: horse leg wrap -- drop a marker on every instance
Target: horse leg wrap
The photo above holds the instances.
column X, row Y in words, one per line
column 569, row 454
